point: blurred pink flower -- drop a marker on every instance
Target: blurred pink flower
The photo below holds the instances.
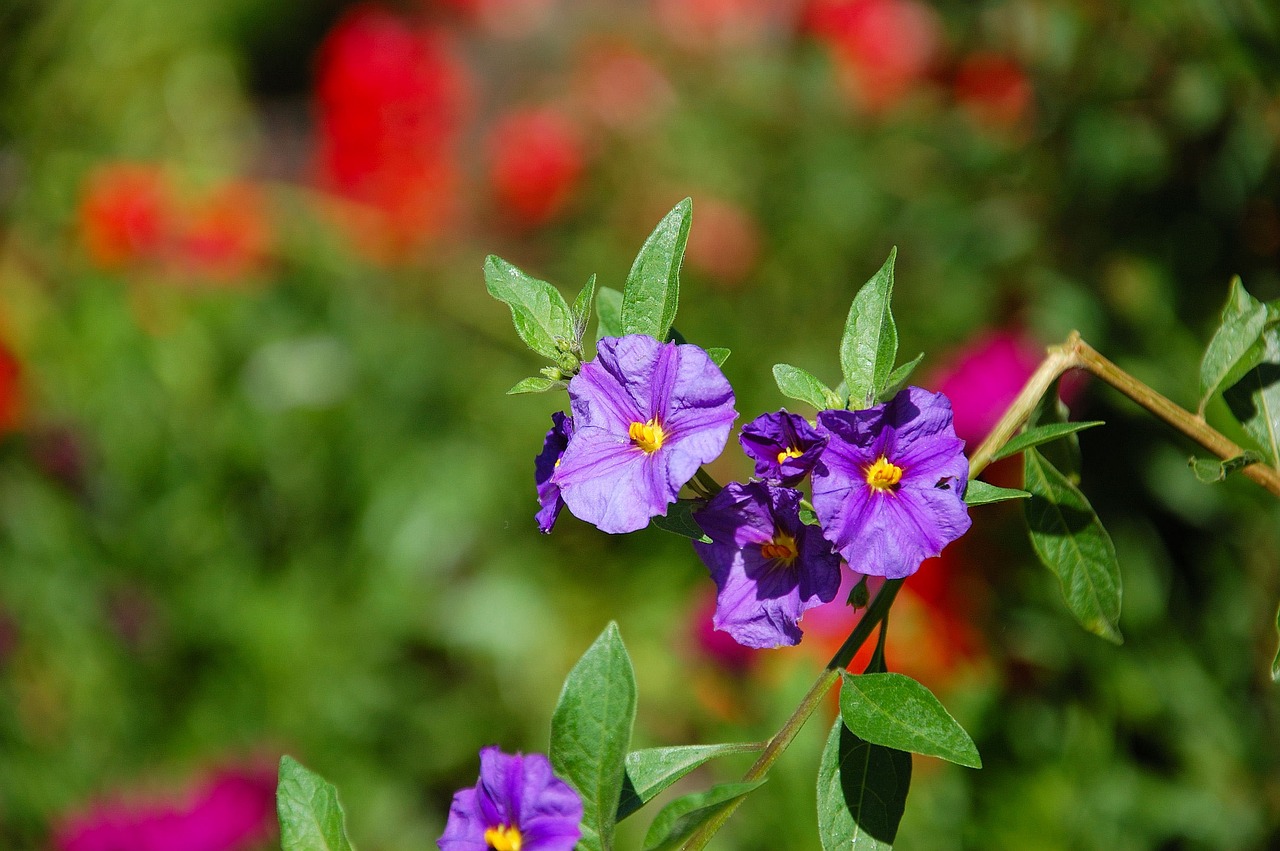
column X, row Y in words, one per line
column 233, row 811
column 993, row 89
column 391, row 100
column 716, row 24
column 621, row 87
column 983, row 377
column 726, row 243
column 537, row 157
column 882, row 48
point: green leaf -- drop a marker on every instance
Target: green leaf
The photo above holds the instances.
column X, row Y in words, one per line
column 869, row 345
column 538, row 310
column 862, row 791
column 608, row 313
column 1210, row 470
column 653, row 770
column 981, row 493
column 679, row 520
column 680, row 818
column 796, row 383
column 311, row 819
column 898, row 379
column 581, row 310
column 1255, row 398
column 1040, row 435
column 897, row 712
column 591, row 732
column 1070, row 540
column 1063, row 453
column 1275, row 663
column 1236, row 347
column 534, row 384
column 652, row 291
column 718, row 355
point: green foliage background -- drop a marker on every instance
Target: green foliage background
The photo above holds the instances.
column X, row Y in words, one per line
column 297, row 517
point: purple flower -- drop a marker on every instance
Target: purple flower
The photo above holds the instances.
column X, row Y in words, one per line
column 517, row 805
column 544, row 465
column 784, row 446
column 889, row 487
column 768, row 566
column 646, row 416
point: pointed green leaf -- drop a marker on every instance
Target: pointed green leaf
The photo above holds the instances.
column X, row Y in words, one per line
column 718, row 355
column 1040, row 435
column 980, row 493
column 679, row 520
column 538, row 310
column 869, row 345
column 652, row 291
column 1070, row 540
column 896, row 711
column 608, row 313
column 653, row 770
column 1063, row 453
column 1255, row 398
column 796, row 383
column 898, row 379
column 1210, row 470
column 535, row 384
column 862, row 791
column 581, row 310
column 591, row 732
column 680, row 818
column 311, row 819
column 1236, row 347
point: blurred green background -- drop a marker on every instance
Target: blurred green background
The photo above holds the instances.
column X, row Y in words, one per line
column 261, row 491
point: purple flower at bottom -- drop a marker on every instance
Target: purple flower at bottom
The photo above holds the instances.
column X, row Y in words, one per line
column 517, row 805
column 646, row 416
column 769, row 567
column 784, row 446
column 889, row 488
column 544, row 465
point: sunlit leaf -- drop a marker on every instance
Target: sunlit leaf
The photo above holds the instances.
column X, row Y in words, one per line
column 538, row 310
column 862, row 792
column 591, row 732
column 869, row 344
column 653, row 770
column 1041, row 435
column 652, row 291
column 896, row 711
column 796, row 383
column 981, row 493
column 718, row 355
column 898, row 379
column 1255, row 398
column 608, row 313
column 311, row 818
column 1211, row 470
column 535, row 384
column 1069, row 538
column 1236, row 347
column 680, row 818
column 581, row 309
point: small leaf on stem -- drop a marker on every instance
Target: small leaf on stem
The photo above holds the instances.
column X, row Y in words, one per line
column 311, row 818
column 869, row 344
column 862, row 792
column 653, row 770
column 538, row 310
column 652, row 291
column 796, row 383
column 896, row 711
column 980, row 493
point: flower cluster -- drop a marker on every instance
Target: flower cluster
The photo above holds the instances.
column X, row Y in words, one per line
column 888, row 481
column 518, row 804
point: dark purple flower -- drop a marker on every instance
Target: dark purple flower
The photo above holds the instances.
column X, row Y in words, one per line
column 768, row 566
column 517, row 805
column 784, row 446
column 544, row 465
column 646, row 416
column 889, row 487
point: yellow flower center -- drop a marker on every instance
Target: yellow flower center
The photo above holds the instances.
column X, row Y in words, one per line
column 782, row 548
column 503, row 838
column 884, row 476
column 648, row 436
column 789, row 452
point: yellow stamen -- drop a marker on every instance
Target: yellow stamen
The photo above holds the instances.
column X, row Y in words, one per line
column 782, row 548
column 789, row 452
column 648, row 436
column 884, row 476
column 503, row 838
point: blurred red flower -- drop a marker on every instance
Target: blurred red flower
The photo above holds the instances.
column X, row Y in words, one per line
column 127, row 213
column 226, row 235
column 537, row 157
column 391, row 100
column 233, row 811
column 993, row 89
column 10, row 390
column 882, row 48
